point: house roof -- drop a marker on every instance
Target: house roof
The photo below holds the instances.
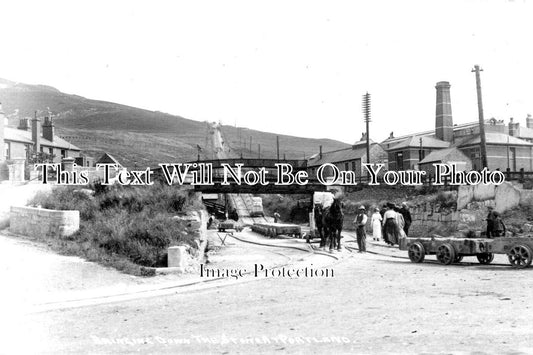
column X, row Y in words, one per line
column 432, row 132
column 106, row 158
column 18, row 135
column 444, row 155
column 357, row 151
column 427, row 142
column 491, row 138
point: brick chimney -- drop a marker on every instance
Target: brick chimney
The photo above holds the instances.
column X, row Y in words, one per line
column 529, row 121
column 443, row 112
column 2, row 150
column 48, row 128
column 36, row 133
column 513, row 127
column 24, row 124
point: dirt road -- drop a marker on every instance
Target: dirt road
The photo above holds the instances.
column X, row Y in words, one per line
column 373, row 304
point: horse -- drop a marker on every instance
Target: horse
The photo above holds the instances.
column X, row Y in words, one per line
column 318, row 213
column 333, row 220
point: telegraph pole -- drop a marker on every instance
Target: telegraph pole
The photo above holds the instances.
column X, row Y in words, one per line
column 277, row 145
column 366, row 112
column 483, row 146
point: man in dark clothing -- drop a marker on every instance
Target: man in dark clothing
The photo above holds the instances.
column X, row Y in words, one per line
column 499, row 226
column 360, row 224
column 406, row 217
column 491, row 217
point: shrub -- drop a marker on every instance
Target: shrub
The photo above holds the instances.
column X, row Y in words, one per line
column 123, row 226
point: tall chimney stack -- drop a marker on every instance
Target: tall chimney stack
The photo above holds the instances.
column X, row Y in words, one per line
column 36, row 133
column 443, row 113
column 320, row 156
column 529, row 121
column 48, row 128
column 2, row 157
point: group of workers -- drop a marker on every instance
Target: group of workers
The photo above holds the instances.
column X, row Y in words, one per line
column 388, row 224
column 391, row 223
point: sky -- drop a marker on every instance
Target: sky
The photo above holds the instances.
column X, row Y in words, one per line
column 289, row 67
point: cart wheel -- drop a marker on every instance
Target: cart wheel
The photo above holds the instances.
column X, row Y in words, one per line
column 446, row 254
column 416, row 252
column 458, row 258
column 520, row 256
column 485, row 258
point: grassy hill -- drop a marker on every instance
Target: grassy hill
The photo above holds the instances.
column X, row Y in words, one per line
column 135, row 135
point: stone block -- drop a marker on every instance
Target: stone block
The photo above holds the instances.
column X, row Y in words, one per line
column 177, row 256
column 484, row 192
column 465, row 195
column 507, row 197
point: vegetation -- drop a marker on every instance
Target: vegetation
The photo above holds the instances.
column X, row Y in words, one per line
column 129, row 228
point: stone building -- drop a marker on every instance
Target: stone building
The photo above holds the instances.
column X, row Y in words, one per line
column 21, row 144
column 507, row 146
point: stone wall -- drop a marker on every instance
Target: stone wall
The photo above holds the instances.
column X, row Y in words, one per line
column 431, row 217
column 36, row 222
column 187, row 258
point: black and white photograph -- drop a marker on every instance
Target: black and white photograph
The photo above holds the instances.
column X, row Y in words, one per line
column 266, row 177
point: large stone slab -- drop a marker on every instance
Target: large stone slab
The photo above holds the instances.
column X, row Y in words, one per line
column 506, row 197
column 465, row 195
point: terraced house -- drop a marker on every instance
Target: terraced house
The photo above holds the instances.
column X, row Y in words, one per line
column 21, row 144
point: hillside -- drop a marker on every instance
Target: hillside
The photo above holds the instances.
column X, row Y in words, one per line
column 135, row 135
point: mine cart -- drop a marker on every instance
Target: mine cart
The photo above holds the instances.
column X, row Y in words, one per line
column 275, row 229
column 452, row 250
column 229, row 224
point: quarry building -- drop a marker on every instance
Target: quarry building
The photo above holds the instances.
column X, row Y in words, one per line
column 509, row 146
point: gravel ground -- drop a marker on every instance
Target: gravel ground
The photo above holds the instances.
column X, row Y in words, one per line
column 374, row 304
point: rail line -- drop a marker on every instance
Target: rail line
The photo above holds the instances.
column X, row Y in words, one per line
column 312, row 251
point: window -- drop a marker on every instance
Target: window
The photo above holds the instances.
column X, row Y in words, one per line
column 353, row 166
column 346, row 167
column 7, row 150
column 51, row 151
column 63, row 153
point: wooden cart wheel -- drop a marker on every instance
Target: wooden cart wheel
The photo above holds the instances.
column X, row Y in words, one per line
column 458, row 258
column 416, row 252
column 520, row 256
column 446, row 254
column 485, row 258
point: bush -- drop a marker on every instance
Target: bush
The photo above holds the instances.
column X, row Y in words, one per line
column 126, row 227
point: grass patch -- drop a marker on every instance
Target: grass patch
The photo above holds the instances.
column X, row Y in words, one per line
column 128, row 228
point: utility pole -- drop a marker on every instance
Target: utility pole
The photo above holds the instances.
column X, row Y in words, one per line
column 366, row 112
column 277, row 145
column 483, row 146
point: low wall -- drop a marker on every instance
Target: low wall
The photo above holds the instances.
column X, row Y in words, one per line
column 36, row 222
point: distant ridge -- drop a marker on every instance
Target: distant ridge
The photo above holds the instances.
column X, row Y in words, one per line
column 141, row 137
